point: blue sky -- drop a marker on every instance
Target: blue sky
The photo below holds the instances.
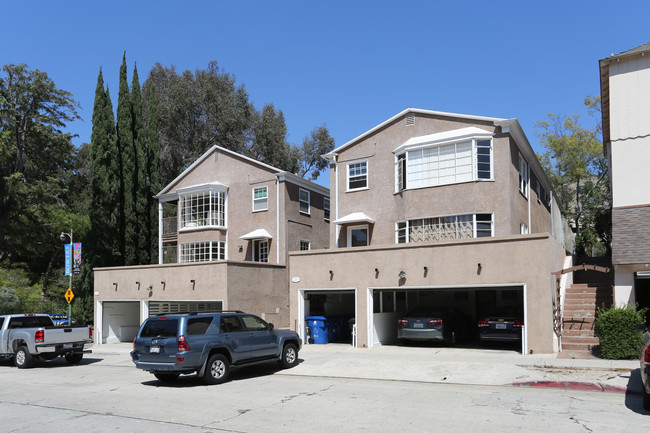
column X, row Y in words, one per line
column 348, row 64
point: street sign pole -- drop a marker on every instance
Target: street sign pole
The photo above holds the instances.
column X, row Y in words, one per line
column 71, row 265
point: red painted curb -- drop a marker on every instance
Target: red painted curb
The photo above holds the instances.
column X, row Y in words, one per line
column 585, row 386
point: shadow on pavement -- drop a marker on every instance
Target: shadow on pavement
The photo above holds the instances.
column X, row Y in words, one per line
column 634, row 394
column 236, row 374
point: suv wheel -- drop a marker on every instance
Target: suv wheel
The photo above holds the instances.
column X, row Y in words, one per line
column 217, row 370
column 289, row 355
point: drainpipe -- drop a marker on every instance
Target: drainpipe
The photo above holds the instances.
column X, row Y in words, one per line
column 160, row 233
column 530, row 198
column 277, row 219
column 336, row 195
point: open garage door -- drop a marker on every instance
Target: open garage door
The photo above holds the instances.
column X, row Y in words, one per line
column 120, row 321
column 499, row 309
column 338, row 307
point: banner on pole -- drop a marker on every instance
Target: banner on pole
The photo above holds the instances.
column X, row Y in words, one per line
column 76, row 266
column 68, row 260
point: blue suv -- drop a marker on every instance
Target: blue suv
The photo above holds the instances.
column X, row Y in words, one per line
column 210, row 344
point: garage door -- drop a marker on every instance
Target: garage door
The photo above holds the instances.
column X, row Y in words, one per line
column 468, row 304
column 172, row 307
column 120, row 321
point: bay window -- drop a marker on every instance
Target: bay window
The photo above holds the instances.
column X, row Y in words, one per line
column 203, row 209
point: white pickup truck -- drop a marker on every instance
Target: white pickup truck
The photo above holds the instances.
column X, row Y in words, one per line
column 26, row 337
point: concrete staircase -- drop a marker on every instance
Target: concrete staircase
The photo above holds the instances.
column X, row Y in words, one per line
column 591, row 290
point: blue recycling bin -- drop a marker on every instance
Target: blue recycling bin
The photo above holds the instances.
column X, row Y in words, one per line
column 318, row 326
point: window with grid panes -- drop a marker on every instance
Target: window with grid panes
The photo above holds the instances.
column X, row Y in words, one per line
column 202, row 251
column 203, row 208
column 445, row 228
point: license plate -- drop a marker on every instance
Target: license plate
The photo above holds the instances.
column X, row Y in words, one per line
column 501, row 326
column 68, row 346
column 154, row 349
column 418, row 325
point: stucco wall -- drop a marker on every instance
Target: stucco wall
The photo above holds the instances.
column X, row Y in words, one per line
column 512, row 260
column 500, row 196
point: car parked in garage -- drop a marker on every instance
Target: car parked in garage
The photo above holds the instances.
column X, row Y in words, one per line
column 432, row 324
column 504, row 325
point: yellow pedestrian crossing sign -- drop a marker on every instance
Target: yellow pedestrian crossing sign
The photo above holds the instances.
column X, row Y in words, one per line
column 69, row 295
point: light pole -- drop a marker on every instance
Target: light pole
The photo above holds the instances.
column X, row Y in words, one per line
column 62, row 237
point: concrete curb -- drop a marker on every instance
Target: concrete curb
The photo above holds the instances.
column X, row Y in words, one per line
column 585, row 386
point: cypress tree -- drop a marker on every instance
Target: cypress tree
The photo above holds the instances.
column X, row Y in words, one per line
column 126, row 150
column 140, row 190
column 153, row 173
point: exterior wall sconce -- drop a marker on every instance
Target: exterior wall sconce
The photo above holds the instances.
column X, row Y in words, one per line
column 478, row 269
column 402, row 275
column 150, row 288
column 138, row 283
column 331, row 275
column 193, row 283
column 240, row 248
column 376, row 272
column 426, row 271
column 115, row 284
column 163, row 284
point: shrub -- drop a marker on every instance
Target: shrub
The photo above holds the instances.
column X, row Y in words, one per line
column 615, row 329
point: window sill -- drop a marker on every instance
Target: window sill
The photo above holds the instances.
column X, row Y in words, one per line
column 197, row 228
column 305, row 213
column 260, row 210
column 357, row 189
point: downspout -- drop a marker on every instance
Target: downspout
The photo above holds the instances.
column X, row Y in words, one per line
column 530, row 198
column 277, row 219
column 336, row 194
column 160, row 232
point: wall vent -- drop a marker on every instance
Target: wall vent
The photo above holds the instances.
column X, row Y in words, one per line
column 410, row 119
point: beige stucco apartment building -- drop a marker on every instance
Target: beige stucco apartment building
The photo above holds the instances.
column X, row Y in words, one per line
column 434, row 209
column 625, row 96
column 227, row 224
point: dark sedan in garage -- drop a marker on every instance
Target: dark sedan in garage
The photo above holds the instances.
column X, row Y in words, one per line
column 504, row 325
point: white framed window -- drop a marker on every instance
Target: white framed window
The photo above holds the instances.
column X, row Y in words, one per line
column 326, row 208
column 303, row 197
column 202, row 209
column 523, row 175
column 523, row 228
column 260, row 199
column 207, row 251
column 444, row 228
column 305, row 245
column 358, row 236
column 357, row 175
column 261, row 251
column 467, row 160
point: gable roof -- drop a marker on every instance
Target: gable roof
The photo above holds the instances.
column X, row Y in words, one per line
column 330, row 156
column 283, row 176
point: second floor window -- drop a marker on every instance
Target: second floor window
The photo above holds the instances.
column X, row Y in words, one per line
column 445, row 228
column 204, row 208
column 326, row 209
column 304, row 201
column 523, row 175
column 444, row 164
column 260, row 199
column 305, row 246
column 357, row 175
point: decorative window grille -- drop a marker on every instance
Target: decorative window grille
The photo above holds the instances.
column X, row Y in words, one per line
column 445, row 228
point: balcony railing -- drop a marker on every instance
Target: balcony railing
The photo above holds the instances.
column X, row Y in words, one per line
column 170, row 227
column 170, row 254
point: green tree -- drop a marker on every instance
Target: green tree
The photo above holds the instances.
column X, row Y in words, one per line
column 127, row 163
column 270, row 144
column 152, row 174
column 196, row 111
column 574, row 161
column 140, row 189
column 35, row 158
column 317, row 143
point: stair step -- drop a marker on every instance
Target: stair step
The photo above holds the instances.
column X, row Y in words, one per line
column 569, row 339
column 577, row 326
column 578, row 346
column 578, row 332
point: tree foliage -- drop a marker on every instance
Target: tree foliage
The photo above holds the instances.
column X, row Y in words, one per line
column 574, row 161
